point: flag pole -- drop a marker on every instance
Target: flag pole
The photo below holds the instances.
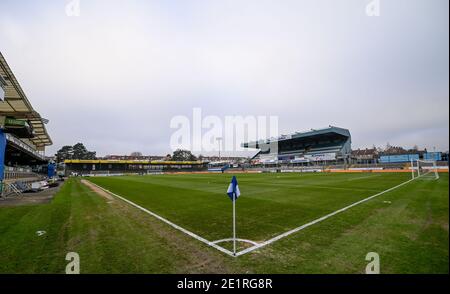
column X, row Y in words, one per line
column 234, row 225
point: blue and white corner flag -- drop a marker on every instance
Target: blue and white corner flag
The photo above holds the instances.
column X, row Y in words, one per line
column 233, row 189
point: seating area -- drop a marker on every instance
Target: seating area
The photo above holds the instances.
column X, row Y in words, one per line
column 317, row 146
column 20, row 173
column 23, row 138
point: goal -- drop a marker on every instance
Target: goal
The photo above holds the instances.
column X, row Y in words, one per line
column 425, row 169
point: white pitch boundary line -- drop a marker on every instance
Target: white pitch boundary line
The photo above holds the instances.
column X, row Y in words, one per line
column 265, row 243
column 193, row 235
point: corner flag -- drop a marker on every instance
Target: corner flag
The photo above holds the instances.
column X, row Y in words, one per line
column 233, row 192
column 233, row 189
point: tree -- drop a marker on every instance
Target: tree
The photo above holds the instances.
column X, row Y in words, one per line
column 77, row 151
column 183, row 155
column 80, row 152
column 136, row 154
column 66, row 152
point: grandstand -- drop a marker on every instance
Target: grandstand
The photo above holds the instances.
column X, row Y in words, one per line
column 120, row 167
column 23, row 136
column 331, row 145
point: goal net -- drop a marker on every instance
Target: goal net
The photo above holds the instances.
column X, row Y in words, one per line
column 426, row 169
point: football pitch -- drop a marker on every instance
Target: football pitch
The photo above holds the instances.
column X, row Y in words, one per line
column 407, row 226
column 271, row 204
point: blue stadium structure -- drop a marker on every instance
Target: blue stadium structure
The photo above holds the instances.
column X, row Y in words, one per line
column 398, row 158
column 436, row 156
column 23, row 137
column 328, row 145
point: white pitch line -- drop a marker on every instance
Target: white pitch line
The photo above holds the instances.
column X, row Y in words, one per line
column 364, row 177
column 237, row 239
column 265, row 243
column 195, row 236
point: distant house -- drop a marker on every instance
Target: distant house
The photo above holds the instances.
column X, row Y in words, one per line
column 365, row 156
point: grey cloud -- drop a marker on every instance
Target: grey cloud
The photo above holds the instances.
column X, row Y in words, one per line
column 115, row 76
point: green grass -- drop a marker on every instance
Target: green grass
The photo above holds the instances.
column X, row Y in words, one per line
column 410, row 233
column 270, row 204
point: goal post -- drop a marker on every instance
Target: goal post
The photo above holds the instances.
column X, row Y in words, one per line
column 426, row 169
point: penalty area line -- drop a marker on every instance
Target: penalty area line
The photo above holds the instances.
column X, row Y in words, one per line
column 187, row 232
column 274, row 239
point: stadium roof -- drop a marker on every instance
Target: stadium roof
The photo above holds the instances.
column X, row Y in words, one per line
column 300, row 135
column 16, row 105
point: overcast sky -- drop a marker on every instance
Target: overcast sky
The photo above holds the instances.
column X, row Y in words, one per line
column 114, row 76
